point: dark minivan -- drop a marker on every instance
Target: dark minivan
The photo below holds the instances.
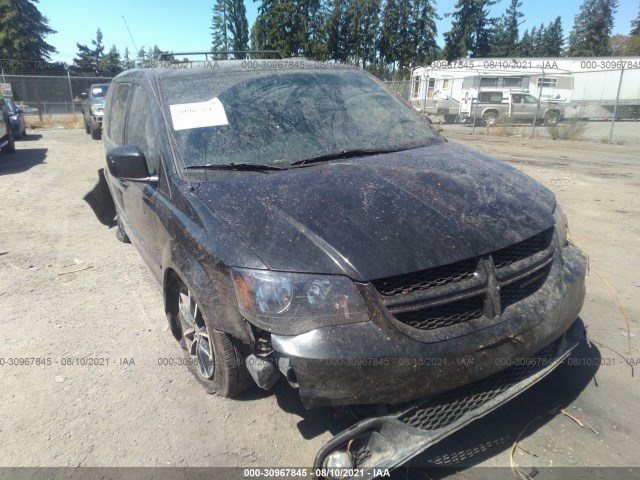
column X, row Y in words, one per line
column 302, row 222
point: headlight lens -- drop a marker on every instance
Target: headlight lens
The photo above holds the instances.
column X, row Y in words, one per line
column 562, row 226
column 96, row 108
column 13, row 117
column 294, row 303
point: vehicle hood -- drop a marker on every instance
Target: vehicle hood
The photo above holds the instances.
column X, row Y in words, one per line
column 383, row 215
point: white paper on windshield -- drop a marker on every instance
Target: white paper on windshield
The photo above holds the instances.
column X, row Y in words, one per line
column 96, row 90
column 197, row 115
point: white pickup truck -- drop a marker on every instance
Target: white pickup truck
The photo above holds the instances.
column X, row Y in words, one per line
column 517, row 106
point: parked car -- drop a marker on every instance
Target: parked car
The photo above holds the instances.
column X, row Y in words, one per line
column 26, row 109
column 507, row 104
column 304, row 223
column 93, row 109
column 16, row 119
column 7, row 142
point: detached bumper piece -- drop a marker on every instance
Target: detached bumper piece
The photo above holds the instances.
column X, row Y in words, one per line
column 388, row 441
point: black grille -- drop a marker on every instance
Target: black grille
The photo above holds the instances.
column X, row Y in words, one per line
column 443, row 315
column 407, row 283
column 521, row 250
column 521, row 289
column 444, row 409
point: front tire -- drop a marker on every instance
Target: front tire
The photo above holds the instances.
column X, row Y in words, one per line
column 10, row 147
column 213, row 357
column 96, row 130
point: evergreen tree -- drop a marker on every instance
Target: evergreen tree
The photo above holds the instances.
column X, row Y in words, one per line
column 87, row 61
column 229, row 26
column 389, row 39
column 363, row 24
column 553, row 39
column 525, row 45
column 281, row 26
column 338, row 44
column 592, row 28
column 219, row 37
column 111, row 64
column 316, row 42
column 504, row 39
column 127, row 62
column 470, row 30
column 635, row 25
column 538, row 41
column 424, row 32
column 22, row 31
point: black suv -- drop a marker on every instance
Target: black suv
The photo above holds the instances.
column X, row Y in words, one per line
column 93, row 109
column 302, row 222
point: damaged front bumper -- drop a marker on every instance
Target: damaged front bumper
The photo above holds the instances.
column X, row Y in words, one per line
column 391, row 440
column 375, row 363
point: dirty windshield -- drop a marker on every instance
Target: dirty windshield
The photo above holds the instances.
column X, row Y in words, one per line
column 278, row 118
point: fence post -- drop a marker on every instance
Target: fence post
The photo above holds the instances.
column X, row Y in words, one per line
column 535, row 119
column 70, row 92
column 615, row 107
column 475, row 113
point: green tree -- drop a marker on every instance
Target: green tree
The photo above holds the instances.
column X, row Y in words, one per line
column 424, row 32
column 281, row 26
column 111, row 64
column 635, row 25
column 229, row 26
column 316, row 41
column 592, row 28
column 23, row 30
column 362, row 18
column 470, row 30
column 338, row 43
column 525, row 45
column 553, row 39
column 505, row 35
column 127, row 62
column 87, row 61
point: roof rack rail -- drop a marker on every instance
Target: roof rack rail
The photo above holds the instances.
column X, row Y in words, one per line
column 248, row 54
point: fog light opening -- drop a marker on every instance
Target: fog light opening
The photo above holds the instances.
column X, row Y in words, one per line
column 338, row 459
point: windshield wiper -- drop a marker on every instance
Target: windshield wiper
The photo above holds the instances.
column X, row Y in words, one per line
column 346, row 154
column 236, row 166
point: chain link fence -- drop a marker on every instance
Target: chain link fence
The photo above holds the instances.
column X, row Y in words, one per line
column 595, row 105
column 45, row 95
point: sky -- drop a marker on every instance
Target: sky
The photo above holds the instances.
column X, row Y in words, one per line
column 185, row 26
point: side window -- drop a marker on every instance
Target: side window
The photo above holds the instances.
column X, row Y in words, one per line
column 118, row 113
column 140, row 129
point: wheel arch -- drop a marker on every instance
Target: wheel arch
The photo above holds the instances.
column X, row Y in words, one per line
column 211, row 285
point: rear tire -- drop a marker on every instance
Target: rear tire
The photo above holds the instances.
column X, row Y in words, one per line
column 551, row 118
column 490, row 118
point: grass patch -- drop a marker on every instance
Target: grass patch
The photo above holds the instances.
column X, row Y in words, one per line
column 567, row 130
column 63, row 122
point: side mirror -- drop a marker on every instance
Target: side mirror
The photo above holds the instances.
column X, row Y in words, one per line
column 127, row 162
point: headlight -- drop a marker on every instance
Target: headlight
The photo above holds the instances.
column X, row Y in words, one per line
column 562, row 225
column 13, row 117
column 294, row 303
column 96, row 108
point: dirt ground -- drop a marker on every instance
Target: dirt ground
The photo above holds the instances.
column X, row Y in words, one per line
column 103, row 388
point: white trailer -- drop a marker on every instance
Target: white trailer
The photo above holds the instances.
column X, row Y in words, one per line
column 587, row 87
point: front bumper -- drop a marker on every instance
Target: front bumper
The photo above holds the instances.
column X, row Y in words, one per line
column 391, row 440
column 374, row 362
